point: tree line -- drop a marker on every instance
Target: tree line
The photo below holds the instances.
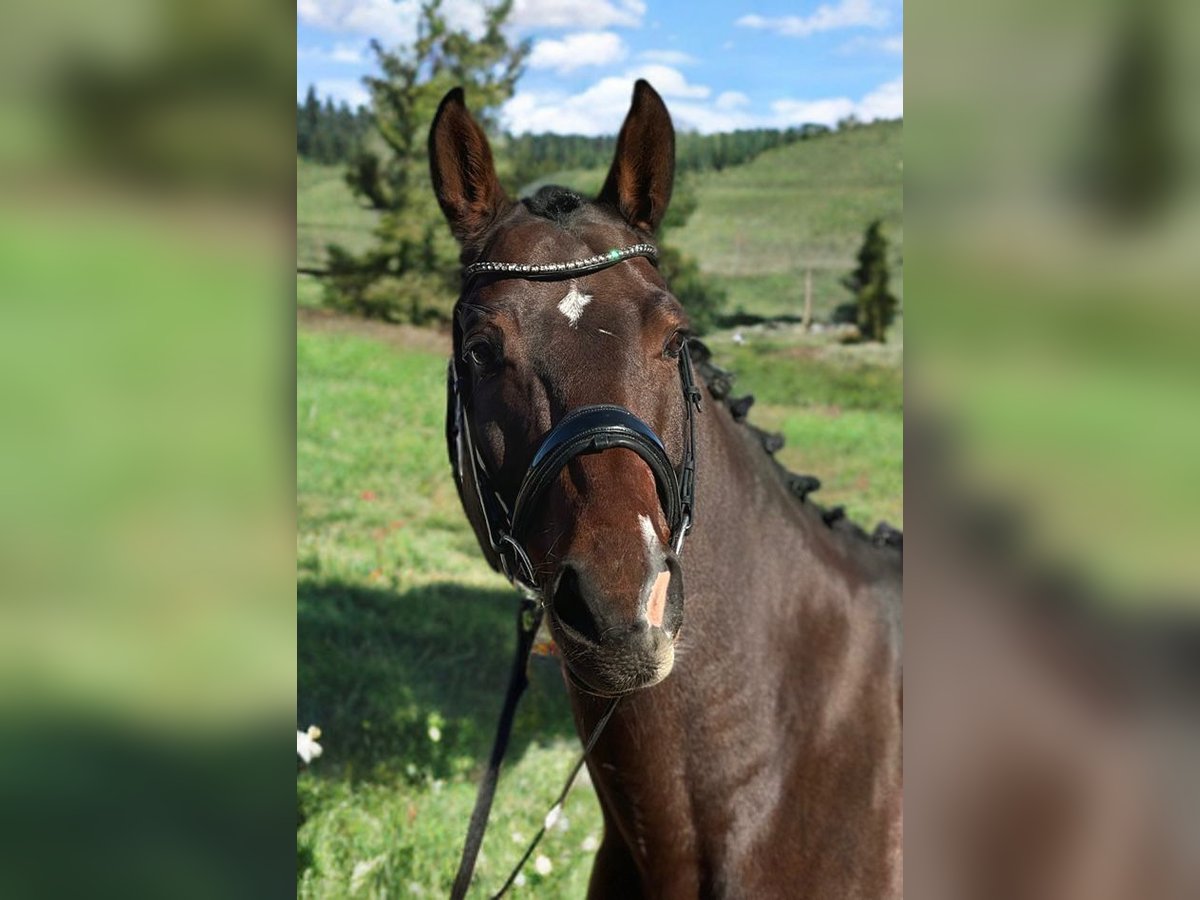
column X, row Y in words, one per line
column 330, row 134
column 336, row 135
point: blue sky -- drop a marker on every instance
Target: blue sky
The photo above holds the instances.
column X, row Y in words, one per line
column 719, row 66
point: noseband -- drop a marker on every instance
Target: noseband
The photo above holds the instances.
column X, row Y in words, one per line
column 587, row 429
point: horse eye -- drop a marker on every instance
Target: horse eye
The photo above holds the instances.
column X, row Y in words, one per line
column 674, row 345
column 481, row 353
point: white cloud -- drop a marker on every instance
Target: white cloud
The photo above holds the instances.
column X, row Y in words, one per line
column 846, row 14
column 667, row 57
column 574, row 51
column 893, row 45
column 885, row 102
column 389, row 21
column 342, row 54
column 601, row 108
column 593, row 14
column 669, row 82
column 350, row 90
column 821, row 112
column 732, row 100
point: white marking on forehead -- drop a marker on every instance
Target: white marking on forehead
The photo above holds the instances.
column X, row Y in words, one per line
column 572, row 305
column 649, row 535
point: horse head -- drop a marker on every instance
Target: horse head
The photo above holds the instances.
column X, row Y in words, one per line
column 567, row 339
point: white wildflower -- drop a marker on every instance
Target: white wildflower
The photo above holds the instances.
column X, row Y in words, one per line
column 542, row 865
column 518, row 838
column 519, row 881
column 435, row 733
column 307, row 747
column 552, row 816
column 590, row 844
column 363, row 871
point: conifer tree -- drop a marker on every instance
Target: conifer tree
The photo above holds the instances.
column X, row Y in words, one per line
column 409, row 272
column 874, row 302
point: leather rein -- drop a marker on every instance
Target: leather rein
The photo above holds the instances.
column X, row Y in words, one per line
column 587, row 429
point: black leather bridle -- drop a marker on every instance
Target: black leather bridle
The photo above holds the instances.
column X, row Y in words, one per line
column 587, row 429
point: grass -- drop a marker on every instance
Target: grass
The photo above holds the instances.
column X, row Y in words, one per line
column 840, row 409
column 405, row 634
column 327, row 213
column 757, row 227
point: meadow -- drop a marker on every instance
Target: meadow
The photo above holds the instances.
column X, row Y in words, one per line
column 405, row 635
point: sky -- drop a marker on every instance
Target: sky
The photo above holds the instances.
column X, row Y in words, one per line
column 719, row 66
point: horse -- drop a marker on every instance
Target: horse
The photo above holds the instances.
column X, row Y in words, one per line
column 756, row 748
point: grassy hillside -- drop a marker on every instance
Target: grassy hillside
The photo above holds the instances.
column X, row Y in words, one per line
column 326, row 212
column 757, row 227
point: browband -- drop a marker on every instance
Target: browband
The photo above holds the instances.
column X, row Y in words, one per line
column 557, row 270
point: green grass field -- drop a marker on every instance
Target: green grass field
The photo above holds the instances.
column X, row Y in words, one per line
column 405, row 634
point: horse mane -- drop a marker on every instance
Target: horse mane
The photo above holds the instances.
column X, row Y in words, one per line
column 720, row 385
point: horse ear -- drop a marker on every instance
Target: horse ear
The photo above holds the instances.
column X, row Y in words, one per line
column 464, row 176
column 643, row 171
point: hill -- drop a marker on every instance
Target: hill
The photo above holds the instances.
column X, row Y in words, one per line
column 757, row 227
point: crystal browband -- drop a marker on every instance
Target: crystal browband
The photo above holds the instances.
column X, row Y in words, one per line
column 553, row 270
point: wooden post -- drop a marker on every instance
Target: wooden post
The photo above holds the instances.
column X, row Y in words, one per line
column 807, row 321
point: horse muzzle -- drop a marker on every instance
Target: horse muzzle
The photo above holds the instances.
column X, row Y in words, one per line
column 605, row 651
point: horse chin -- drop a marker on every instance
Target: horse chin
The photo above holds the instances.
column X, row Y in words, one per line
column 613, row 670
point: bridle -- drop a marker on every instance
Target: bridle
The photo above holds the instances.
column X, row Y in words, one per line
column 587, row 429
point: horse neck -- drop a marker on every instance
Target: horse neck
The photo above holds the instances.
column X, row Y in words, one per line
column 755, row 537
column 782, row 623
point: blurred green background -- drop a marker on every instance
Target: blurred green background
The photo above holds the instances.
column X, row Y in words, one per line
column 148, row 624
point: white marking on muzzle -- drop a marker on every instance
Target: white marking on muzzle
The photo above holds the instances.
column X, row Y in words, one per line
column 649, row 535
column 572, row 305
column 656, row 603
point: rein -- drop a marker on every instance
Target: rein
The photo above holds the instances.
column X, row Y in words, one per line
column 588, row 429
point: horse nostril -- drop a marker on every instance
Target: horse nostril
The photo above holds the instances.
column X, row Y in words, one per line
column 570, row 607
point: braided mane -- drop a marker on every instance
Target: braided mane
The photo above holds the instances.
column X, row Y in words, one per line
column 720, row 385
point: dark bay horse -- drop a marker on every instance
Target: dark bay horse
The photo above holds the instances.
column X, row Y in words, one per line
column 756, row 749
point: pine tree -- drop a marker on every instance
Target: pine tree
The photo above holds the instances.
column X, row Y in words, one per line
column 875, row 305
column 409, row 273
column 308, row 121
